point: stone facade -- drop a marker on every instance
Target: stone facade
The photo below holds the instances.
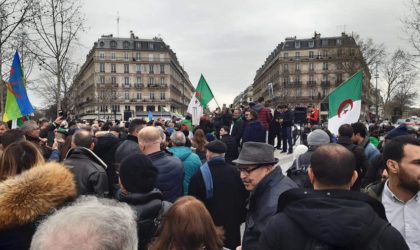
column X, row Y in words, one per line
column 129, row 77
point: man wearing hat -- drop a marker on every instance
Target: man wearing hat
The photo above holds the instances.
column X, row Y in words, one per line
column 218, row 185
column 266, row 182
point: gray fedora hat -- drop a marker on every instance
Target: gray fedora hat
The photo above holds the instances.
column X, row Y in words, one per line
column 256, row 153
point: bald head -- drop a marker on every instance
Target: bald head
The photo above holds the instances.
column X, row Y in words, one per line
column 150, row 135
column 178, row 138
column 82, row 138
column 333, row 165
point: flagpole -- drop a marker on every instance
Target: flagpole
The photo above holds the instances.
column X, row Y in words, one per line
column 216, row 101
column 323, row 99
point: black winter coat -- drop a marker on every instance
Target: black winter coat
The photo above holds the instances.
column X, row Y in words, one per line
column 150, row 210
column 232, row 152
column 336, row 218
column 253, row 131
column 171, row 175
column 89, row 172
column 238, row 130
column 227, row 206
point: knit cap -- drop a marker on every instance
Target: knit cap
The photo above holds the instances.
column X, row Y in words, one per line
column 138, row 174
column 318, row 137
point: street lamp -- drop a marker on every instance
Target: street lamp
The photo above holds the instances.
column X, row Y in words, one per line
column 376, row 93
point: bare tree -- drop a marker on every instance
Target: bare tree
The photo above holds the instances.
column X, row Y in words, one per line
column 411, row 26
column 58, row 24
column 399, row 77
column 13, row 14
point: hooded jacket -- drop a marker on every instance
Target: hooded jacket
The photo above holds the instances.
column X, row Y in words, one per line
column 253, row 131
column 89, row 171
column 28, row 197
column 343, row 219
column 190, row 161
column 264, row 115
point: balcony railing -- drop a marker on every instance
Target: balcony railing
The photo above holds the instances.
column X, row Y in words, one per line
column 311, row 83
column 325, row 83
column 139, row 85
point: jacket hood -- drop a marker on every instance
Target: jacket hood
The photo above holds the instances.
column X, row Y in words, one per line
column 34, row 193
column 258, row 107
column 336, row 217
column 105, row 142
column 181, row 152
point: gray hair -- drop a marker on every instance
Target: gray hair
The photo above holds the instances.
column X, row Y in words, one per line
column 178, row 138
column 90, row 223
column 28, row 126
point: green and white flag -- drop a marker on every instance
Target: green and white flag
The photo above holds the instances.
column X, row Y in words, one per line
column 345, row 103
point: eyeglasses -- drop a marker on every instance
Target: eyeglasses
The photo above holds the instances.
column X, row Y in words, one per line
column 249, row 169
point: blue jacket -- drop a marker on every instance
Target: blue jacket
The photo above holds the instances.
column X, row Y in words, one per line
column 171, row 175
column 254, row 131
column 190, row 161
column 371, row 152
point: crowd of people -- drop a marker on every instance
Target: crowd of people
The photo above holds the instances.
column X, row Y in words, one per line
column 166, row 184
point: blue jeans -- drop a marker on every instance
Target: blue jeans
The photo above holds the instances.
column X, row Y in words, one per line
column 286, row 133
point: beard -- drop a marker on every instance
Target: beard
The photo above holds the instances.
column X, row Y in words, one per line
column 408, row 181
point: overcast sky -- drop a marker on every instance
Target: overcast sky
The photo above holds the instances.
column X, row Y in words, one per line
column 227, row 41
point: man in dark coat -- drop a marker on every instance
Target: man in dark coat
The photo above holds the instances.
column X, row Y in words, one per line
column 226, row 200
column 232, row 148
column 171, row 173
column 286, row 129
column 131, row 144
column 345, row 132
column 88, row 169
column 237, row 128
column 265, row 180
column 253, row 130
column 331, row 216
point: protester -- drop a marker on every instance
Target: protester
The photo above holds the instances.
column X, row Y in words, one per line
column 286, row 129
column 31, row 131
column 263, row 113
column 3, row 128
column 253, row 130
column 138, row 189
column 18, row 157
column 131, row 144
column 171, row 173
column 265, row 180
column 237, row 127
column 198, row 142
column 231, row 146
column 190, row 161
column 345, row 133
column 331, row 216
column 88, row 169
column 90, row 223
column 219, row 186
column 361, row 138
column 400, row 193
column 10, row 136
column 188, row 225
column 275, row 128
column 27, row 197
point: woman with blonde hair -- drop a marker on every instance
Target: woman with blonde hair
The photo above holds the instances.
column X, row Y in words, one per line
column 188, row 225
column 18, row 157
column 198, row 142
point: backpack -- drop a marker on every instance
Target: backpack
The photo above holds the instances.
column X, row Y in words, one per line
column 299, row 174
column 148, row 228
column 373, row 243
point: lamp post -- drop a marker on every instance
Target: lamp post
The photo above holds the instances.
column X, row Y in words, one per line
column 376, row 93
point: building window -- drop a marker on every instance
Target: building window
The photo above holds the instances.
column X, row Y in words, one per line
column 151, row 68
column 325, row 66
column 325, row 77
column 126, row 56
column 126, row 95
column 339, row 65
column 311, row 78
column 127, row 108
column 138, row 57
column 162, row 95
column 138, row 68
column 351, row 52
column 339, row 78
column 126, row 68
column 152, row 95
column 297, row 55
column 162, row 57
column 298, row 92
column 162, row 68
column 116, row 108
column 139, row 108
column 325, row 54
column 113, row 68
column 113, row 80
column 102, row 67
column 324, row 42
column 297, row 79
column 151, row 46
column 151, row 81
column 285, row 55
column 324, row 91
column 297, row 44
column 338, row 41
column 313, row 92
column 311, row 54
column 311, row 66
column 138, row 95
column 297, row 66
column 126, row 45
column 102, row 79
column 113, row 44
column 101, row 55
column 126, row 81
column 138, row 80
column 286, row 67
column 162, row 80
column 311, row 44
column 339, row 52
column 112, row 55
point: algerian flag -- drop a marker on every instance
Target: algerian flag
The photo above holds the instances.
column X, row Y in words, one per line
column 203, row 92
column 195, row 109
column 345, row 103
